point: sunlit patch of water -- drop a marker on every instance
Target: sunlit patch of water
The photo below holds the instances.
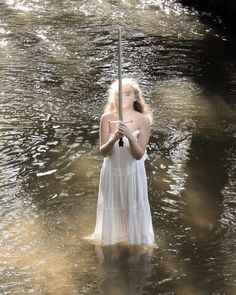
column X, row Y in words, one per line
column 39, row 262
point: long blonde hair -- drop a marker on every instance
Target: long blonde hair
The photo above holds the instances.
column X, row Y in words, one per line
column 139, row 105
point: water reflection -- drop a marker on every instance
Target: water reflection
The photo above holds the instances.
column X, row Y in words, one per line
column 123, row 269
column 206, row 177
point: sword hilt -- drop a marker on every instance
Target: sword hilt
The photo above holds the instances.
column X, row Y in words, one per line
column 121, row 142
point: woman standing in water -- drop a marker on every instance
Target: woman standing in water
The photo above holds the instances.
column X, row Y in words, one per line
column 123, row 211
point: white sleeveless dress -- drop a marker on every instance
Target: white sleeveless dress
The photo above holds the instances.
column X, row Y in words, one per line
column 123, row 211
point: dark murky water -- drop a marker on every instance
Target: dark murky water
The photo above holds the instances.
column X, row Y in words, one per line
column 57, row 60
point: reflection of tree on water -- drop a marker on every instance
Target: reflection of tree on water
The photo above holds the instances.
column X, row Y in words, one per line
column 207, row 176
column 124, row 269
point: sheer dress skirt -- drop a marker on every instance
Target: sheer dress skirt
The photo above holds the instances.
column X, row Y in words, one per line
column 123, row 211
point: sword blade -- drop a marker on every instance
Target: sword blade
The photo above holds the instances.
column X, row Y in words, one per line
column 120, row 74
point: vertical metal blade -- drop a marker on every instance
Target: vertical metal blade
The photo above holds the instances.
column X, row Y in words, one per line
column 120, row 74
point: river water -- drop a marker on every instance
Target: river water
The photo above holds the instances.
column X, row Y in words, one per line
column 57, row 60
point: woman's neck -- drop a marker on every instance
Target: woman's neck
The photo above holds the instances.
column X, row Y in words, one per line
column 127, row 112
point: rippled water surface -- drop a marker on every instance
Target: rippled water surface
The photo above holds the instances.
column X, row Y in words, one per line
column 57, row 59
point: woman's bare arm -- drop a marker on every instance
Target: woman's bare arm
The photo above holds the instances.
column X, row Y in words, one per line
column 138, row 147
column 106, row 142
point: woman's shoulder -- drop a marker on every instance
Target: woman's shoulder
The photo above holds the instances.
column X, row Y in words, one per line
column 107, row 116
column 142, row 118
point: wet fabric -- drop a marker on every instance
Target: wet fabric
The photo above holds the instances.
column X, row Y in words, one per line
column 123, row 211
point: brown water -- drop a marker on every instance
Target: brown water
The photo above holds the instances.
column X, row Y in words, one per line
column 57, row 60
